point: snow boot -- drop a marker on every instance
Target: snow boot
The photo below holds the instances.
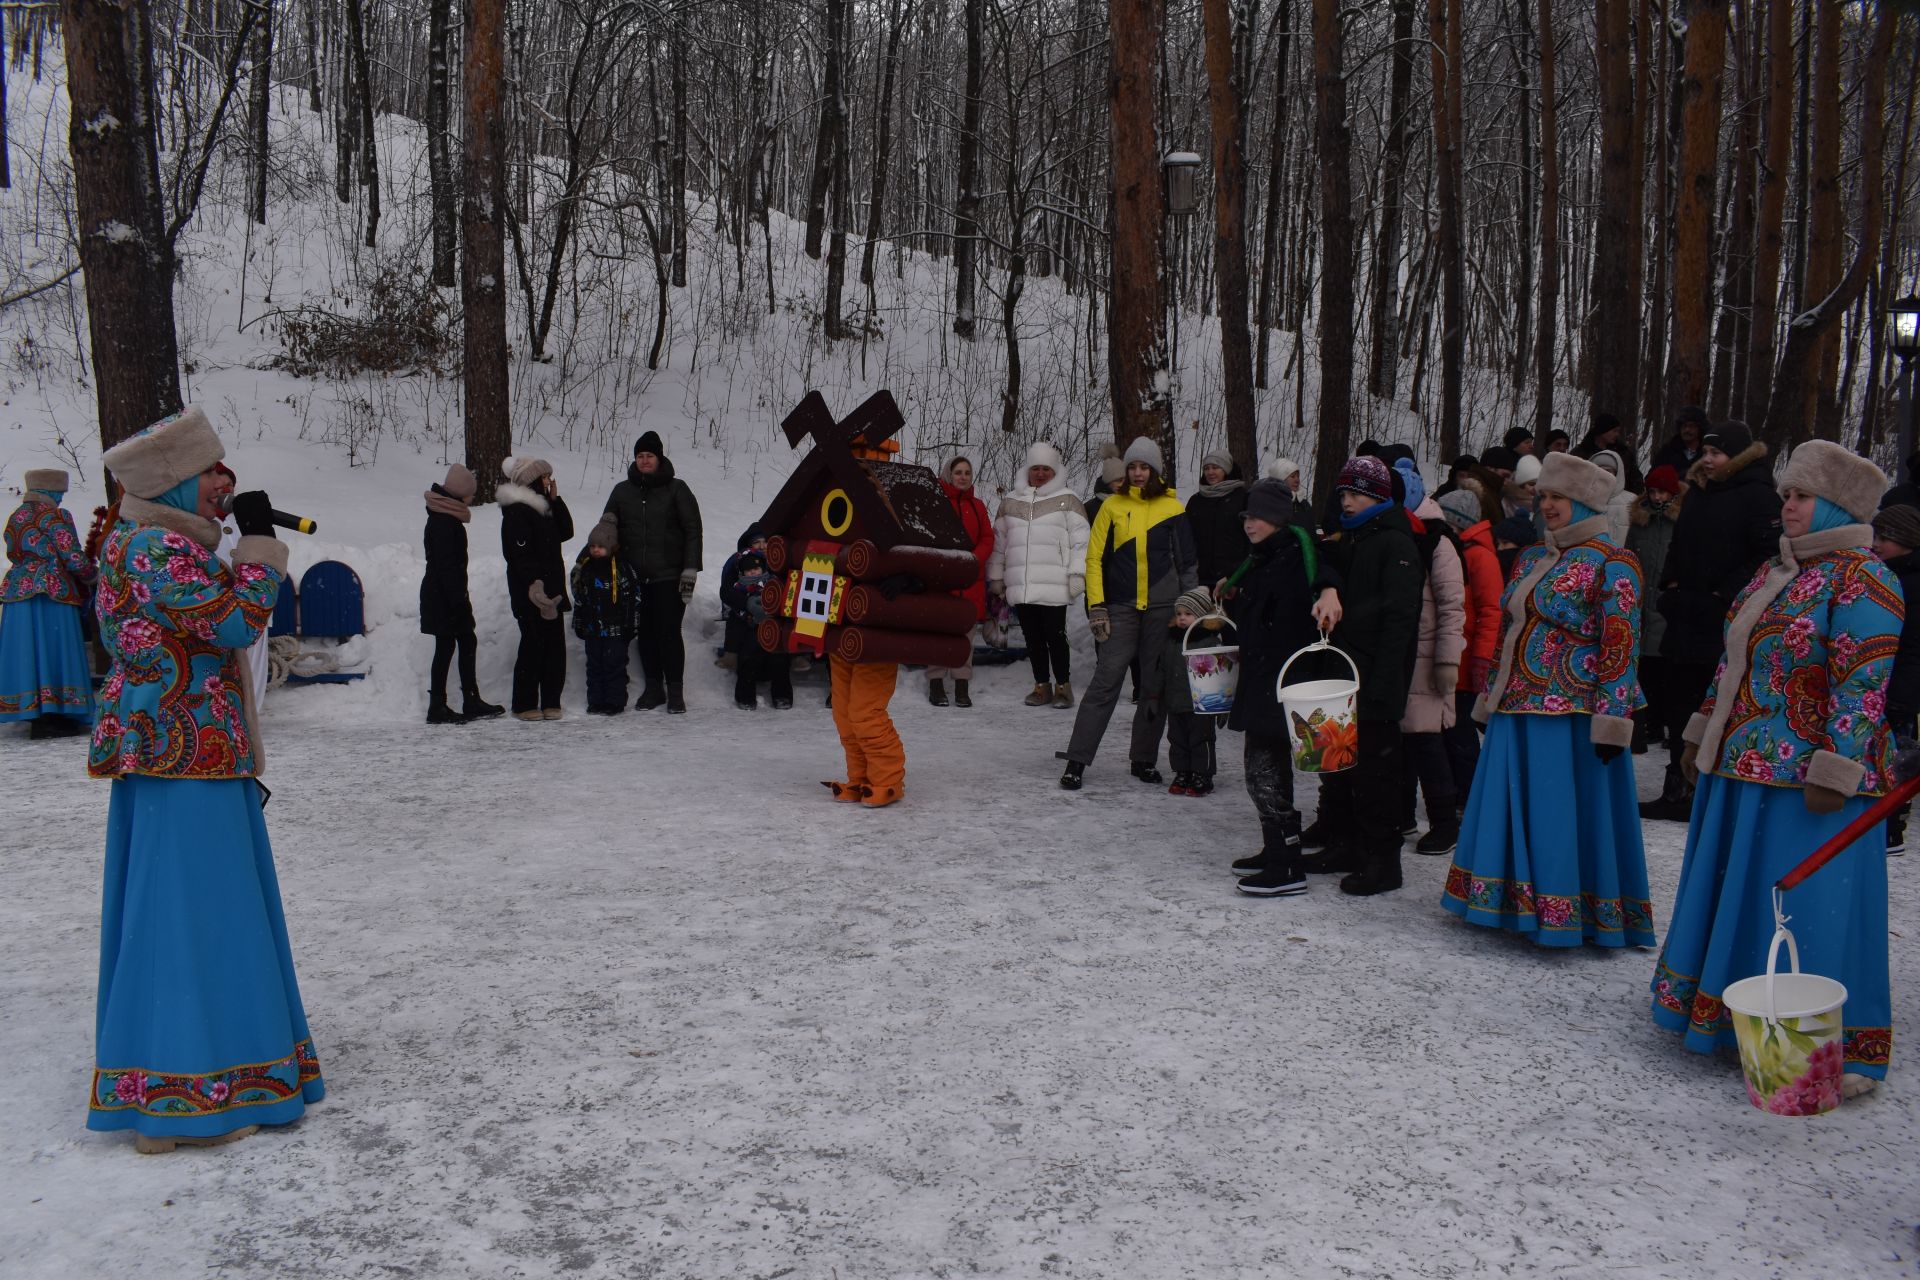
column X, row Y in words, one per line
column 475, row 707
column 1378, row 873
column 783, row 704
column 937, row 692
column 1318, row 835
column 553, row 713
column 1199, row 784
column 1279, row 844
column 1443, row 828
column 438, row 712
column 155, row 1145
column 676, row 705
column 1063, row 695
column 1897, row 835
column 1676, row 799
column 531, row 714
column 1070, row 780
column 960, row 698
column 1042, row 694
column 55, row 727
column 1179, row 785
column 650, row 697
column 1144, row 770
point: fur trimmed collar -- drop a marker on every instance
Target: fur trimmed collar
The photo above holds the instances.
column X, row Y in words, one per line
column 1697, row 473
column 186, row 523
column 1642, row 514
column 508, row 494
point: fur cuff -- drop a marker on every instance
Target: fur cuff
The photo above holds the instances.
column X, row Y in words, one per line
column 256, row 548
column 1612, row 731
column 1696, row 730
column 1837, row 474
column 1835, row 772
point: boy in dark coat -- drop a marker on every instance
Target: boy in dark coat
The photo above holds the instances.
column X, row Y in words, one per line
column 604, row 590
column 446, row 611
column 1270, row 599
column 751, row 664
column 1896, row 540
column 1380, row 579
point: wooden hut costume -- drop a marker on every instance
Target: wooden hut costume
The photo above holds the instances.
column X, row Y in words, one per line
column 868, row 560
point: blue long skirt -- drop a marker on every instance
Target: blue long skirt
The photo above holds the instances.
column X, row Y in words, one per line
column 1550, row 846
column 1742, row 837
column 199, row 1028
column 43, row 661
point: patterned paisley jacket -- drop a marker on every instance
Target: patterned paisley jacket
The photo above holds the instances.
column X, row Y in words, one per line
column 1801, row 695
column 48, row 559
column 1570, row 633
column 173, row 619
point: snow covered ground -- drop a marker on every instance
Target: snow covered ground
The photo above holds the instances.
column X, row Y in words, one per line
column 632, row 997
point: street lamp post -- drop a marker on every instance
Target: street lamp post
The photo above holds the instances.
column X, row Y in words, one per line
column 1903, row 336
column 1182, row 170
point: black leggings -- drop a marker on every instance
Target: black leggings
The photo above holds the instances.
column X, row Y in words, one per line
column 1045, row 626
column 663, row 656
column 443, row 647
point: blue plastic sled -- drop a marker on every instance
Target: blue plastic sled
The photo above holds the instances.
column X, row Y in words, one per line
column 333, row 605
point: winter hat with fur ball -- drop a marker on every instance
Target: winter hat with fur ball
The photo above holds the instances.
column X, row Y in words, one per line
column 525, row 472
column 1112, row 470
column 45, row 480
column 1143, row 449
column 159, row 457
column 606, row 533
column 1575, row 478
column 1839, row 475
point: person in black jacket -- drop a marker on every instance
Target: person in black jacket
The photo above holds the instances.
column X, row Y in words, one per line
column 1605, row 434
column 1690, row 426
column 660, row 535
column 1729, row 526
column 1270, row 598
column 1896, row 540
column 534, row 523
column 1377, row 624
column 744, row 578
column 446, row 613
column 1219, row 543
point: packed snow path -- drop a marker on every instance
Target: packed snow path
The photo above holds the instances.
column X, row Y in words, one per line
column 634, row 998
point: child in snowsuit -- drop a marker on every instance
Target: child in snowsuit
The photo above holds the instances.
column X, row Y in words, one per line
column 1189, row 736
column 604, row 591
column 745, row 612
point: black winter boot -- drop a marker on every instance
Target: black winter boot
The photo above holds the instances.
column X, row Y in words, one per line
column 1676, row 799
column 676, row 705
column 960, row 698
column 1379, row 873
column 650, row 697
column 475, row 707
column 1070, row 780
column 438, row 712
column 1443, row 828
column 1279, row 844
column 1146, row 772
column 937, row 692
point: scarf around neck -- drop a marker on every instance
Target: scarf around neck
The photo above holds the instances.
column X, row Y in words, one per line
column 440, row 502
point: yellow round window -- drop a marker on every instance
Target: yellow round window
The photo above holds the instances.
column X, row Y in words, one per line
column 836, row 513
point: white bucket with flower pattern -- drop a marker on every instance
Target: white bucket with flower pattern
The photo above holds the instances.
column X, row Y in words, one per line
column 1322, row 719
column 1789, row 1029
column 1213, row 673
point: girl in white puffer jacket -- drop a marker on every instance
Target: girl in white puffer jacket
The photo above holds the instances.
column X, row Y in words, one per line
column 1038, row 565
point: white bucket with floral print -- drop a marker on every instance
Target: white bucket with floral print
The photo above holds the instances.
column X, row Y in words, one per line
column 1213, row 673
column 1322, row 715
column 1788, row 1026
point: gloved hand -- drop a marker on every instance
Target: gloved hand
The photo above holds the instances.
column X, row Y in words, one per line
column 996, row 588
column 756, row 609
column 896, row 585
column 1690, row 763
column 687, row 578
column 1822, row 800
column 1212, row 622
column 249, row 512
column 1076, row 586
column 1446, row 677
column 1607, row 752
column 549, row 606
column 1099, row 624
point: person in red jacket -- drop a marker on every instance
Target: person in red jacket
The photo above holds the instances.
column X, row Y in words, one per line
column 1467, row 510
column 957, row 479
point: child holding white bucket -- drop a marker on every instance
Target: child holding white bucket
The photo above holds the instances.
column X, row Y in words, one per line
column 1271, row 599
column 1789, row 747
column 1550, row 845
column 1189, row 734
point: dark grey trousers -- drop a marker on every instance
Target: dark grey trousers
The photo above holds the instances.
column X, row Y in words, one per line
column 1135, row 631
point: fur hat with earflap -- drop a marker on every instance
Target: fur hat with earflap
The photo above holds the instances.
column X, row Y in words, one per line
column 1836, row 473
column 163, row 455
column 1578, row 479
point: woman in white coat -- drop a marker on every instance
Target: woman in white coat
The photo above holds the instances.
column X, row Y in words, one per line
column 1038, row 566
column 1619, row 510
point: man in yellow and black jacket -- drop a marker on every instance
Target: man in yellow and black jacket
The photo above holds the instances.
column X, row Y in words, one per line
column 1140, row 558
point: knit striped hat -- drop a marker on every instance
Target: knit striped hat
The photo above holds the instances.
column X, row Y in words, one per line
column 1198, row 602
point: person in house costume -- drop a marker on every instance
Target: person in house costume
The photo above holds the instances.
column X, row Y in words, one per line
column 200, row 1035
column 44, row 675
column 1790, row 746
column 1550, row 845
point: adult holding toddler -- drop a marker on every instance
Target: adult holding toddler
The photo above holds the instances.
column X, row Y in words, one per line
column 660, row 536
column 1039, row 565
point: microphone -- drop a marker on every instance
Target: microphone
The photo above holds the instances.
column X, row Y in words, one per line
column 299, row 524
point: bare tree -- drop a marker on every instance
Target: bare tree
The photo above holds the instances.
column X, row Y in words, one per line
column 483, row 265
column 1230, row 231
column 1137, row 350
column 1693, row 290
column 1336, row 243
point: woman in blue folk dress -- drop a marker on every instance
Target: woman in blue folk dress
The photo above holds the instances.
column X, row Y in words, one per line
column 1790, row 746
column 200, row 1036
column 1550, row 845
column 44, row 676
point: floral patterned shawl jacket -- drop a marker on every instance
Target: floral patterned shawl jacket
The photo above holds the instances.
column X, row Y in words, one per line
column 48, row 559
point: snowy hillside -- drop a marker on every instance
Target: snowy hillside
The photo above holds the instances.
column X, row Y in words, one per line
column 632, row 998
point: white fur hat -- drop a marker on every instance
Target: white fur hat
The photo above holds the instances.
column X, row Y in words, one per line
column 1575, row 478
column 46, row 480
column 1836, row 473
column 159, row 457
column 1042, row 454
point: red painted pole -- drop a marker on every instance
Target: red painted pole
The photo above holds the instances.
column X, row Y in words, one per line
column 1879, row 811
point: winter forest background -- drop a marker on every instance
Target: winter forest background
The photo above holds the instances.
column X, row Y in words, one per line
column 1424, row 220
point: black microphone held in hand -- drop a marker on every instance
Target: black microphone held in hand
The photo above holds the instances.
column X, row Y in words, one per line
column 299, row 524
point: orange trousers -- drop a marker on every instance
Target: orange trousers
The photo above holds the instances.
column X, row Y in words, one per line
column 861, row 692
